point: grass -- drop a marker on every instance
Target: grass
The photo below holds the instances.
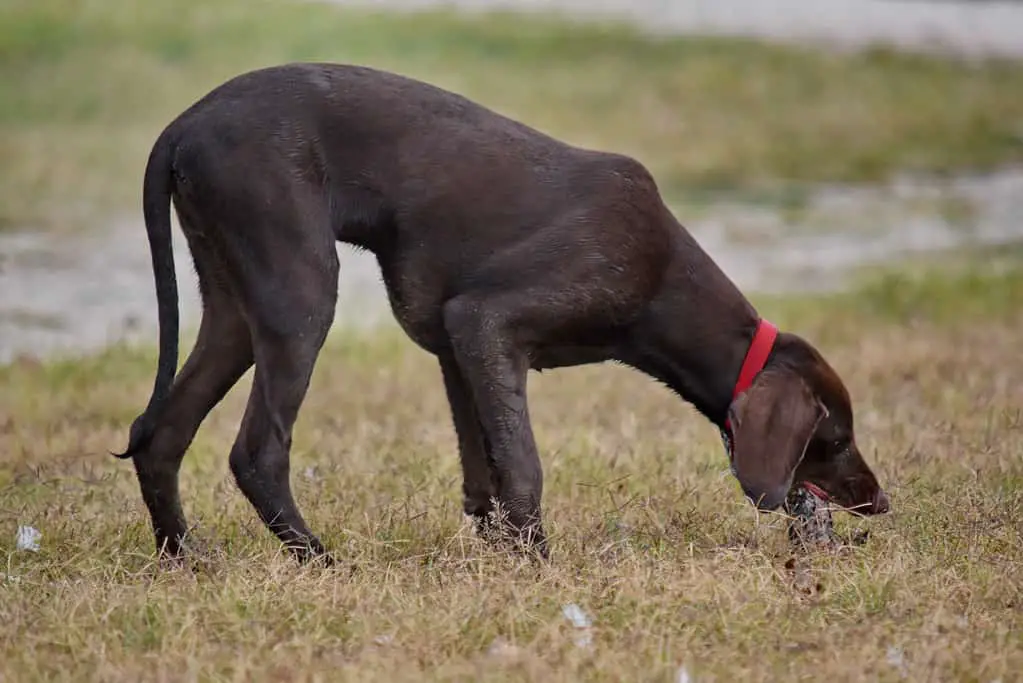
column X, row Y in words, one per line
column 651, row 535
column 86, row 85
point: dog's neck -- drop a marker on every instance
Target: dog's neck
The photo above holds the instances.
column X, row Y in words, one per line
column 696, row 332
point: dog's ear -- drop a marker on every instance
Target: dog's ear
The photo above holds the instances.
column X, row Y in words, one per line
column 772, row 423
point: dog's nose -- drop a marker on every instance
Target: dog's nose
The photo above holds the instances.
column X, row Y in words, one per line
column 881, row 504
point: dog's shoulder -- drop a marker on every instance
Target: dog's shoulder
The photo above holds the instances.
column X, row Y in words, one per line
column 619, row 174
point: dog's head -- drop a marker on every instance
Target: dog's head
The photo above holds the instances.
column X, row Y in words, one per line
column 795, row 424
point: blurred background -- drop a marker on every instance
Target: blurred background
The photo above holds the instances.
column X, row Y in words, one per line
column 800, row 140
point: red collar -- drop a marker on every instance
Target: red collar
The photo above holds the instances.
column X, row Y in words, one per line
column 756, row 358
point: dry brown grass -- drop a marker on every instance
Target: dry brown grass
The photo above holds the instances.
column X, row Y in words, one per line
column 651, row 535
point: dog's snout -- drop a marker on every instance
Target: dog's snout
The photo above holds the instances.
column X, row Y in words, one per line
column 881, row 504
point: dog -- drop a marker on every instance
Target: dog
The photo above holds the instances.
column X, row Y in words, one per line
column 502, row 250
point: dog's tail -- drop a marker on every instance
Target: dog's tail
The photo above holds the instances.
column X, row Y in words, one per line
column 157, row 187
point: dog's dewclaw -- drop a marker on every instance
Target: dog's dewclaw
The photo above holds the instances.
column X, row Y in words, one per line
column 811, row 523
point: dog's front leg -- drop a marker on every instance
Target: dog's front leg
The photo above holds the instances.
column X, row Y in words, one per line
column 495, row 371
column 478, row 486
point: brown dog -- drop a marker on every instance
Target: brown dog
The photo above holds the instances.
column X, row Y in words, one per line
column 502, row 250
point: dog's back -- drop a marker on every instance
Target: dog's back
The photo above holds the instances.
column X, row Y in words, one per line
column 393, row 153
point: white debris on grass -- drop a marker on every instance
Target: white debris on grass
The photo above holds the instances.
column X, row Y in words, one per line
column 502, row 648
column 28, row 539
column 581, row 621
column 896, row 659
column 683, row 675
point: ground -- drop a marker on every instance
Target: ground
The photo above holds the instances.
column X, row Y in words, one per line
column 651, row 537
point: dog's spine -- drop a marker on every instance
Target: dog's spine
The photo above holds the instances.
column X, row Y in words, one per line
column 157, row 187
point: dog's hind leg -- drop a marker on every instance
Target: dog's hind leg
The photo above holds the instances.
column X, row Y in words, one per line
column 290, row 304
column 260, row 458
column 478, row 486
column 221, row 355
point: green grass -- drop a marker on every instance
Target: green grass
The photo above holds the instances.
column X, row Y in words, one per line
column 651, row 535
column 86, row 85
column 967, row 286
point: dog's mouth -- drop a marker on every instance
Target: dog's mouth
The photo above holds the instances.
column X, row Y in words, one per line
column 816, row 490
column 866, row 505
